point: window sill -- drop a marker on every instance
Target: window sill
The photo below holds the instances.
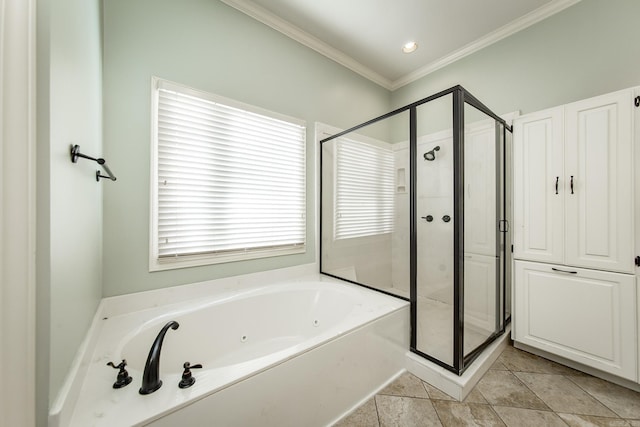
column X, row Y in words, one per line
column 172, row 263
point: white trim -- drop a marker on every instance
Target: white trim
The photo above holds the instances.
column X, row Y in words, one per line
column 513, row 27
column 160, row 83
column 17, row 211
column 268, row 18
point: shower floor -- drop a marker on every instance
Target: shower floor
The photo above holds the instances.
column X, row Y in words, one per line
column 434, row 323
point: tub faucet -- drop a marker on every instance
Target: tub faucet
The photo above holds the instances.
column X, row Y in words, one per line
column 151, row 377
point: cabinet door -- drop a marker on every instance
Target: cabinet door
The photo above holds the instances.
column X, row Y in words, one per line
column 587, row 316
column 538, row 186
column 599, row 183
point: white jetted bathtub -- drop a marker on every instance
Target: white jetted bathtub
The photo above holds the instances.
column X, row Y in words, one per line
column 298, row 353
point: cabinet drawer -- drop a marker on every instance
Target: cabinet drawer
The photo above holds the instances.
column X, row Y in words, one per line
column 587, row 316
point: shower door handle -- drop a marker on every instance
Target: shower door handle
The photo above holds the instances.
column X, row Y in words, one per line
column 557, row 179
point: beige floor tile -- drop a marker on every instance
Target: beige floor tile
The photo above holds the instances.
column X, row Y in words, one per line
column 406, row 385
column 590, row 421
column 521, row 361
column 435, row 394
column 466, row 414
column 498, row 366
column 365, row 416
column 397, row 411
column 520, row 417
column 524, row 389
column 475, row 397
column 622, row 401
column 503, row 388
column 562, row 395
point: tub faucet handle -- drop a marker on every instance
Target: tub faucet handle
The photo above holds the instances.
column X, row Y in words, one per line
column 123, row 377
column 187, row 378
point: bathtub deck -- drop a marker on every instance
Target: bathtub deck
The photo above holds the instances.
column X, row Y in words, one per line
column 374, row 338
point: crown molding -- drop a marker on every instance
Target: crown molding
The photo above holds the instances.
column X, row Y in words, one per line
column 268, row 18
column 513, row 27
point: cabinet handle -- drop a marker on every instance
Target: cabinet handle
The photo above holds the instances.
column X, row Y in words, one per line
column 571, row 184
column 564, row 271
column 557, row 179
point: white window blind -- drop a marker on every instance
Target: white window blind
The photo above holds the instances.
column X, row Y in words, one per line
column 364, row 189
column 230, row 182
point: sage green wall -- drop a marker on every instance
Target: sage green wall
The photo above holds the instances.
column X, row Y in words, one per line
column 210, row 46
column 69, row 216
column 588, row 49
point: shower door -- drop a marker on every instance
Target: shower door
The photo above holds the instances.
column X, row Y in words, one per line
column 434, row 294
column 413, row 205
column 460, row 230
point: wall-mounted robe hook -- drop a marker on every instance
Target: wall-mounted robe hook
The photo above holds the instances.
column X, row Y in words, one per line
column 75, row 153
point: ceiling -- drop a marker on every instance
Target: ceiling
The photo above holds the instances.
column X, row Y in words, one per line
column 367, row 35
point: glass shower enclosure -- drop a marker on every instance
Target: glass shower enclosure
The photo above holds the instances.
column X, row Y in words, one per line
column 414, row 204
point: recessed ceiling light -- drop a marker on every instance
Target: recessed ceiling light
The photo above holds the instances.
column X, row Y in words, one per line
column 409, row 47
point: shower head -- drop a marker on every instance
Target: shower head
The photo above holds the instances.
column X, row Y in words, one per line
column 431, row 155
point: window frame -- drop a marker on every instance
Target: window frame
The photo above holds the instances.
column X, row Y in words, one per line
column 157, row 263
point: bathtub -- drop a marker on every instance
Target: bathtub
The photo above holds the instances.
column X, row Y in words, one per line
column 298, row 353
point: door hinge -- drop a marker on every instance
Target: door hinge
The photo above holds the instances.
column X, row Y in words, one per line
column 636, row 101
column 503, row 226
column 511, row 248
column 638, row 261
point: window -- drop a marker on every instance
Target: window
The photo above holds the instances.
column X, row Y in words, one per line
column 228, row 181
column 364, row 189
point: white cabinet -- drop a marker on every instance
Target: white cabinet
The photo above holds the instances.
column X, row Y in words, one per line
column 599, row 200
column 574, row 233
column 538, row 186
column 573, row 184
column 584, row 315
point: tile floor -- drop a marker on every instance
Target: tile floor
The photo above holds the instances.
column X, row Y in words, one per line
column 520, row 390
